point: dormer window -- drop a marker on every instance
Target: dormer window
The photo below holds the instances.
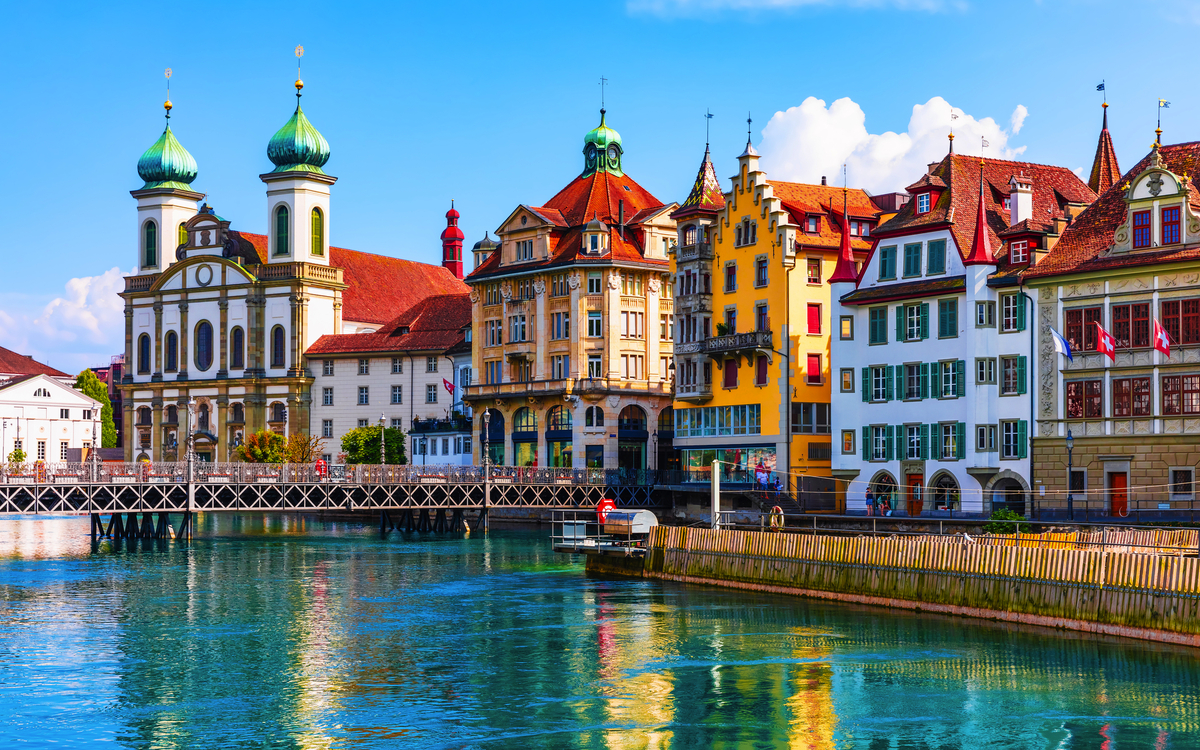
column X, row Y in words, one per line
column 595, row 243
column 814, row 224
column 1018, row 251
column 1141, row 229
column 1170, row 225
column 1007, row 203
column 923, row 203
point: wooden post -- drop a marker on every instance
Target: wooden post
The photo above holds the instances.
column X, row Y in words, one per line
column 716, row 494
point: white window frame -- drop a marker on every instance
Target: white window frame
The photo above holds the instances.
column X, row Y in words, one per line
column 1018, row 251
column 985, row 314
column 1010, row 445
column 878, row 443
column 948, row 377
column 431, row 393
column 923, row 203
column 326, row 397
column 879, row 378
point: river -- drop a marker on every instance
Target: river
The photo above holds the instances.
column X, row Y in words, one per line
column 288, row 632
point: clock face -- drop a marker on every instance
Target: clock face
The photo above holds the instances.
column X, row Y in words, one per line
column 613, row 153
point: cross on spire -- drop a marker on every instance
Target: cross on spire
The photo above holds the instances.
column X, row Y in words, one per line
column 603, row 81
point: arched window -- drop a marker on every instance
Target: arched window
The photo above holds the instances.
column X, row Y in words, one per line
column 144, row 415
column 281, row 231
column 278, row 412
column 738, row 235
column 182, row 233
column 149, row 245
column 631, row 418
column 666, row 420
column 318, row 232
column 689, row 234
column 172, row 414
column 172, row 347
column 558, row 419
column 593, row 417
column 202, row 421
column 278, row 351
column 204, row 345
column 525, row 420
column 237, row 349
column 239, row 414
column 143, row 363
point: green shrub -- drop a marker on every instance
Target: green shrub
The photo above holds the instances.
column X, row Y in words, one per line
column 1004, row 514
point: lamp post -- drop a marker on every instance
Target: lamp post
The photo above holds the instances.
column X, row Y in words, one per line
column 93, row 454
column 487, row 418
column 423, row 446
column 654, row 439
column 382, row 445
column 1070, row 466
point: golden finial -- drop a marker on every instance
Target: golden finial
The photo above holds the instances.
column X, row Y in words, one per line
column 299, row 54
column 167, row 104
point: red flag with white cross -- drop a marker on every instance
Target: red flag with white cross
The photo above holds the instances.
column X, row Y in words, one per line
column 1105, row 343
column 448, row 385
column 1162, row 339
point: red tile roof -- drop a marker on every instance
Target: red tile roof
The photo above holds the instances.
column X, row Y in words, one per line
column 12, row 363
column 597, row 195
column 435, row 323
column 378, row 287
column 1105, row 171
column 800, row 199
column 1084, row 244
column 706, row 195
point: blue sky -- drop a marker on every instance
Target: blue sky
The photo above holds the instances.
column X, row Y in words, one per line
column 487, row 103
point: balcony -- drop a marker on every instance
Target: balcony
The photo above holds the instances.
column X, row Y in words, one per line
column 693, row 303
column 586, row 387
column 738, row 344
column 140, row 283
column 299, row 270
column 520, row 350
column 694, row 393
column 456, row 424
column 698, row 251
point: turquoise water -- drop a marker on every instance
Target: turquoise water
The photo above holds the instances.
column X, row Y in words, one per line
column 292, row 633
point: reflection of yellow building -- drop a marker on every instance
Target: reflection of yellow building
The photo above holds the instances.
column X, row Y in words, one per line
column 752, row 301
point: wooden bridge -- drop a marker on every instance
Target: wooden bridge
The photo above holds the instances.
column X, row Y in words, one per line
column 422, row 498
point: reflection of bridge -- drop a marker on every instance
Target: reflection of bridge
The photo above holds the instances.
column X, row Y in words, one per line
column 421, row 495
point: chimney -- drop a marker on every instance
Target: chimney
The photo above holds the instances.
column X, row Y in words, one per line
column 621, row 217
column 1020, row 200
column 823, row 180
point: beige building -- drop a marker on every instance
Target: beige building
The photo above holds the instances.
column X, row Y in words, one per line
column 573, row 319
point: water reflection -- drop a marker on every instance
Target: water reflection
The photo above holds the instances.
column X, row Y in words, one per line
column 295, row 632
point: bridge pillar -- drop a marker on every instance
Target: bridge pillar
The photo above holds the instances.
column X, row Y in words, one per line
column 131, row 526
column 385, row 523
column 148, row 526
column 97, row 526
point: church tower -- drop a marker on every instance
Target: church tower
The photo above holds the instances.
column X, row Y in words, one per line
column 165, row 202
column 1105, row 171
column 298, row 192
column 452, row 244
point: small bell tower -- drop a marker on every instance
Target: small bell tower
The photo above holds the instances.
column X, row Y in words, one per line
column 452, row 244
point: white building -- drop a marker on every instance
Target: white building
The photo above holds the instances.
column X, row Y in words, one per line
column 45, row 418
column 931, row 347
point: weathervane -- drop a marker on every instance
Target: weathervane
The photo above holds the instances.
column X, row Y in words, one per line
column 167, row 104
column 603, row 81
column 707, row 119
column 299, row 82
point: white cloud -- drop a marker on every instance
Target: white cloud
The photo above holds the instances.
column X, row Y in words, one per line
column 803, row 143
column 1018, row 118
column 697, row 7
column 81, row 328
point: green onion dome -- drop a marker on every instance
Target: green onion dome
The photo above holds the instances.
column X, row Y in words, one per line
column 298, row 147
column 602, row 135
column 167, row 164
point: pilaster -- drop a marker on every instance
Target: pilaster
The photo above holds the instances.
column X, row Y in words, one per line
column 158, row 342
column 223, row 305
column 183, row 341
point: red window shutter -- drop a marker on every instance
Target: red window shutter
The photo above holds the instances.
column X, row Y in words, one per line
column 814, row 368
column 761, row 371
column 814, row 318
column 731, row 368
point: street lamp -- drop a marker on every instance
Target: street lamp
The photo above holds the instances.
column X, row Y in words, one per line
column 1070, row 466
column 382, row 444
column 93, row 454
column 422, row 444
column 487, row 418
column 654, row 438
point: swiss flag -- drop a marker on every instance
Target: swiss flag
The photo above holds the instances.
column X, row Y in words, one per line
column 1105, row 343
column 448, row 386
column 1162, row 340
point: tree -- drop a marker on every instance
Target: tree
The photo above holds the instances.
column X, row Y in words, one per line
column 361, row 446
column 90, row 385
column 302, row 449
column 263, row 447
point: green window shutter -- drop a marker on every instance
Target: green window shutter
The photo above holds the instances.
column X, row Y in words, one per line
column 1022, row 439
column 935, row 441
column 1020, row 303
column 924, row 320
column 866, row 443
column 960, row 439
column 924, row 380
column 866, row 384
column 890, row 451
column 887, row 380
column 900, row 322
column 924, row 442
column 1021, row 375
column 960, row 368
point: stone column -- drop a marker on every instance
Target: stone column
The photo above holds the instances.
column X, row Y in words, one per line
column 299, row 303
column 183, row 341
column 157, row 370
column 223, row 371
column 130, row 363
column 156, row 431
column 130, row 429
column 223, row 450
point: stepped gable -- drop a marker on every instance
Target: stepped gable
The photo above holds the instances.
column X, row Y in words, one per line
column 1084, row 244
column 378, row 286
column 1105, row 172
column 800, row 199
column 435, row 323
column 958, row 205
column 12, row 363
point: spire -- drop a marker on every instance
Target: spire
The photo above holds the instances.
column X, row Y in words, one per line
column 981, row 245
column 1105, row 171
column 845, row 270
column 749, row 146
column 952, row 141
column 452, row 242
column 706, row 192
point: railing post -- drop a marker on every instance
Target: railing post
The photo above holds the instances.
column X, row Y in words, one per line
column 716, row 495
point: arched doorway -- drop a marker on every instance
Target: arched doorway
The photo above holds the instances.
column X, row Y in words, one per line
column 631, row 438
column 525, row 437
column 492, row 436
column 1008, row 493
column 884, row 491
column 944, row 492
column 559, row 437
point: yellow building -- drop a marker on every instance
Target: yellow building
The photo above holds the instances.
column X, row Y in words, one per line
column 753, row 313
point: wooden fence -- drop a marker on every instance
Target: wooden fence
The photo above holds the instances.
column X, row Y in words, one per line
column 1138, row 594
column 1145, row 541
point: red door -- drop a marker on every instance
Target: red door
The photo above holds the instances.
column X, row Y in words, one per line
column 1118, row 498
column 916, row 494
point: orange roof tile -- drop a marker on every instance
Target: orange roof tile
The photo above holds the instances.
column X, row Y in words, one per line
column 435, row 323
column 1105, row 171
column 12, row 363
column 801, row 199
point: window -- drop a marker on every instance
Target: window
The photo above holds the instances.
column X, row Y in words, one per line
column 848, row 442
column 560, row 325
column 1012, row 313
column 1131, row 325
column 814, row 270
column 593, row 417
column 810, row 419
column 760, row 370
column 594, row 286
column 172, row 347
column 595, row 325
column 847, row 375
column 887, row 262
column 1081, row 328
column 364, row 395
column 877, row 318
column 1131, row 397
column 760, row 272
column 364, row 367
column 912, row 322
column 632, row 366
column 397, row 366
column 985, row 314
column 327, row 367
column 913, row 381
column 1170, row 225
column 730, row 379
column 1012, row 376
column 64, row 413
column 1018, row 251
column 923, row 203
column 951, row 443
column 985, row 438
column 594, row 368
column 881, row 442
column 947, row 318
column 278, row 352
column 326, row 428
column 237, row 349
column 1181, row 394
column 431, row 364
column 952, row 378
column 814, row 318
column 559, row 367
column 912, row 259
column 431, row 393
column 41, row 450
column 763, row 323
column 880, row 381
column 847, row 327
column 666, row 328
column 326, row 397
column 363, row 422
column 318, row 233
column 730, row 277
column 632, row 324
column 87, row 414
column 1141, row 229
column 397, row 394
column 1181, row 319
column 239, row 414
column 1182, row 483
column 1084, row 398
column 559, row 418
column 150, row 245
column 813, row 372
column 911, row 436
column 730, row 321
column 522, row 372
column 814, row 224
column 985, row 371
column 62, row 451
column 516, row 328
column 204, row 345
column 1013, row 434
column 524, row 248
column 937, row 257
column 281, row 231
